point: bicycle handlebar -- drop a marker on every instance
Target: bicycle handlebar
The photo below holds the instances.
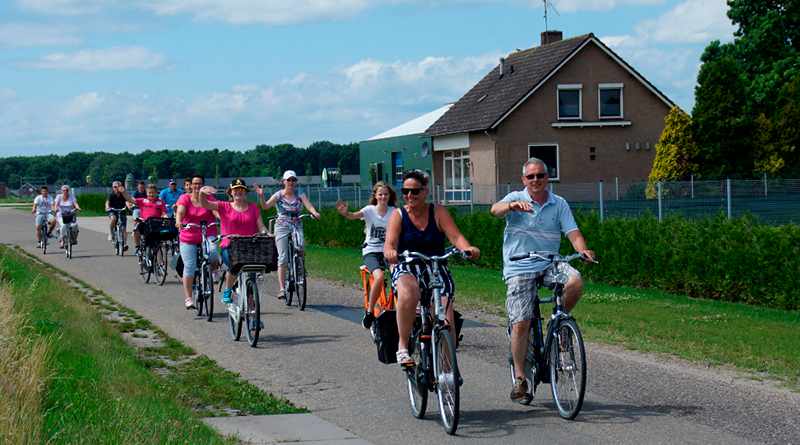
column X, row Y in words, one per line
column 193, row 225
column 111, row 209
column 551, row 257
column 411, row 256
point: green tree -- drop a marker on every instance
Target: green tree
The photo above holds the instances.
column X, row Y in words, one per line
column 676, row 151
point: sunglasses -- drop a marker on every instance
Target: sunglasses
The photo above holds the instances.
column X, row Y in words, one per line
column 292, row 180
column 413, row 192
column 533, row 176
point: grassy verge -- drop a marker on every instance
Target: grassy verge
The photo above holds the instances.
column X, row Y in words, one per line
column 103, row 390
column 707, row 331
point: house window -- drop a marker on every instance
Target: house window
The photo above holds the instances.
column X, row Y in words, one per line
column 569, row 101
column 549, row 154
column 456, row 176
column 397, row 168
column 610, row 100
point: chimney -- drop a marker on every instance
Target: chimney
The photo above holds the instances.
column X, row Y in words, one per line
column 551, row 37
column 502, row 66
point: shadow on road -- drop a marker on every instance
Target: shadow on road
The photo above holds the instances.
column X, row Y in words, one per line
column 596, row 412
column 294, row 340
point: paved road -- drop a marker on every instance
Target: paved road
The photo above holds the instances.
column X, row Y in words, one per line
column 325, row 361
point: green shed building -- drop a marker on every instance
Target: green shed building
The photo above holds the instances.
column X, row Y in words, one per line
column 386, row 156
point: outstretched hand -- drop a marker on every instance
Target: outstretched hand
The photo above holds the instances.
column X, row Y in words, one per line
column 520, row 206
column 259, row 191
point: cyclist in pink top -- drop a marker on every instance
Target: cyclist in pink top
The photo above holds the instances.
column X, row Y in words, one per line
column 238, row 217
column 189, row 211
column 149, row 207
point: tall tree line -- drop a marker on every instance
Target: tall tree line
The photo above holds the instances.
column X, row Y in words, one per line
column 102, row 167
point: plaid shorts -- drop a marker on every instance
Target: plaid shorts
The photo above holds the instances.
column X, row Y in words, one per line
column 522, row 289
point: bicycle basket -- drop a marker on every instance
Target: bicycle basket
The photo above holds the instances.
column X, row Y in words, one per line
column 253, row 250
column 159, row 229
column 67, row 218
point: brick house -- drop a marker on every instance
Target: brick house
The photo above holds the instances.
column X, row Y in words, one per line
column 573, row 103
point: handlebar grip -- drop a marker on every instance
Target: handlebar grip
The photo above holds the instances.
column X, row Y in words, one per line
column 519, row 257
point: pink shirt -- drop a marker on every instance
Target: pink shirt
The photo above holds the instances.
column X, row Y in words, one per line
column 148, row 208
column 235, row 222
column 195, row 215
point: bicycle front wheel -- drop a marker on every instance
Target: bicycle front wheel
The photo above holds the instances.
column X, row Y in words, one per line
column 447, row 380
column 567, row 369
column 160, row 265
column 300, row 282
column 417, row 389
column 142, row 258
column 253, row 312
column 208, row 296
column 235, row 316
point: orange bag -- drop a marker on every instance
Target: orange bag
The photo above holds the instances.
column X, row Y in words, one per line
column 386, row 300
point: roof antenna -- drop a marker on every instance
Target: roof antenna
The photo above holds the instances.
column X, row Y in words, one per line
column 548, row 4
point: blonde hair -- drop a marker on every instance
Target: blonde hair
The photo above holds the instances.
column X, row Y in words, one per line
column 392, row 195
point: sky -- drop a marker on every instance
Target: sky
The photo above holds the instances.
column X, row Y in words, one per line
column 130, row 75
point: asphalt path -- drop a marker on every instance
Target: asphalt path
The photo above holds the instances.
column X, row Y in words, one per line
column 323, row 360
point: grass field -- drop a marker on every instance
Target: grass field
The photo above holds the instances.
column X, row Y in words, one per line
column 100, row 390
column 711, row 332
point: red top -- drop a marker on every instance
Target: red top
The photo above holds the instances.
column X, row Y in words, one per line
column 150, row 208
column 235, row 222
column 195, row 215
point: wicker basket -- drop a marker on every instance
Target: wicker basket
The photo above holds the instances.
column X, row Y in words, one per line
column 253, row 250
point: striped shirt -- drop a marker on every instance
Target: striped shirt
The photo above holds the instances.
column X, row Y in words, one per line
column 538, row 230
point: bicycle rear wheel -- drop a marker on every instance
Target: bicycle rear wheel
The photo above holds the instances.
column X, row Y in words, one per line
column 253, row 312
column 44, row 238
column 567, row 369
column 208, row 296
column 447, row 380
column 300, row 282
column 417, row 389
column 160, row 264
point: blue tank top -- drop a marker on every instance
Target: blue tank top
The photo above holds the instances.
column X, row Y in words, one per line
column 429, row 241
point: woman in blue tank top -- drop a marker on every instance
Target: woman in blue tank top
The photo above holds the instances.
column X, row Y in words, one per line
column 421, row 227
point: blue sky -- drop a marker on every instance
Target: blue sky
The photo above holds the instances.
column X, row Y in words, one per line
column 116, row 75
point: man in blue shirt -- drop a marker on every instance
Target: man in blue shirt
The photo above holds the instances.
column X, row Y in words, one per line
column 170, row 196
column 535, row 220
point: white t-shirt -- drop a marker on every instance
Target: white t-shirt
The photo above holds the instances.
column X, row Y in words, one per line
column 375, row 229
column 43, row 205
column 65, row 205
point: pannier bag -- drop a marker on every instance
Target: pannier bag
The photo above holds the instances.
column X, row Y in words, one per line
column 384, row 331
column 253, row 250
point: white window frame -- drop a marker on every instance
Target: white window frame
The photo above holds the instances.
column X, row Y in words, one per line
column 465, row 191
column 570, row 87
column 611, row 86
column 558, row 157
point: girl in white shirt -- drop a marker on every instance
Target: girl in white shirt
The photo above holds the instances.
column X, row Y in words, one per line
column 376, row 217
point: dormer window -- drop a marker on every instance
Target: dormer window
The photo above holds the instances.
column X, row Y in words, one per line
column 570, row 101
column 610, row 102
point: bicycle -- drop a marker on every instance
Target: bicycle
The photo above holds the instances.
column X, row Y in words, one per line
column 118, row 235
column 433, row 347
column 152, row 253
column 68, row 232
column 559, row 358
column 248, row 300
column 203, row 286
column 296, row 282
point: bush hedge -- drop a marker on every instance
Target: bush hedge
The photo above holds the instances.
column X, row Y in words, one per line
column 733, row 260
column 95, row 202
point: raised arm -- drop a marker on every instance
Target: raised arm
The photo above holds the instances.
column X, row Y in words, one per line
column 205, row 203
column 502, row 208
column 341, row 207
column 309, row 206
column 450, row 229
column 269, row 203
column 392, row 237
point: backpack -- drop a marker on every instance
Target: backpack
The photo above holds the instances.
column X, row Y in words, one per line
column 385, row 336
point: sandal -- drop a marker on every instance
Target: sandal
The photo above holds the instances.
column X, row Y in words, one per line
column 404, row 359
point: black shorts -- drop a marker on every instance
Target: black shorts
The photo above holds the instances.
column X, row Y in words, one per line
column 374, row 261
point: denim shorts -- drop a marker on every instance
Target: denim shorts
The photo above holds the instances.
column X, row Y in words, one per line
column 189, row 256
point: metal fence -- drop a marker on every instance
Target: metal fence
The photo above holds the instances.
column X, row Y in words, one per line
column 774, row 201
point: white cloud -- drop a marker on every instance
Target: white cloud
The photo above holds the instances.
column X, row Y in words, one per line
column 83, row 104
column 692, row 21
column 596, row 5
column 34, row 34
column 269, row 12
column 65, row 7
column 117, row 58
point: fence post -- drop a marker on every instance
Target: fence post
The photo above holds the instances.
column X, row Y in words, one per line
column 660, row 211
column 616, row 186
column 471, row 198
column 600, row 192
column 691, row 184
column 319, row 196
column 728, row 195
column 358, row 192
column 765, row 184
column 338, row 193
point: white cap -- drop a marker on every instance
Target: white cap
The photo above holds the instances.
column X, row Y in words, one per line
column 289, row 174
